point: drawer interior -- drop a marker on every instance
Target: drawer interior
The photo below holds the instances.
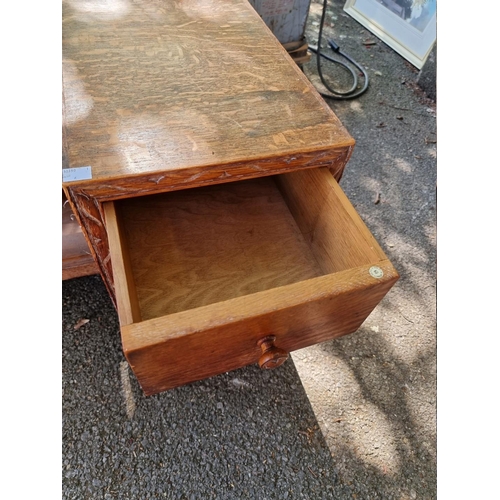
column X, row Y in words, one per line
column 182, row 250
column 196, row 247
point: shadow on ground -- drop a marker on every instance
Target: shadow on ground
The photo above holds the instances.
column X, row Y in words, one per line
column 245, row 434
column 254, row 434
column 374, row 392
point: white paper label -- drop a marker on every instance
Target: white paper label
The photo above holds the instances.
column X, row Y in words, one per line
column 76, row 174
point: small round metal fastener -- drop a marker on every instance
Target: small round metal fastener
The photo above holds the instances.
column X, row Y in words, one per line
column 376, row 272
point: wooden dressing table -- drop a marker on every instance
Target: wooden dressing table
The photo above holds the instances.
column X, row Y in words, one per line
column 202, row 167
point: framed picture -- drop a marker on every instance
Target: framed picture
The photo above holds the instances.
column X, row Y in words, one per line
column 408, row 26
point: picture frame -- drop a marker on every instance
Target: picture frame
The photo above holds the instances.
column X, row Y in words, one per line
column 407, row 26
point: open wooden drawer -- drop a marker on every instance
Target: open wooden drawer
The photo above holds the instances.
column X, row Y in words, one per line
column 214, row 278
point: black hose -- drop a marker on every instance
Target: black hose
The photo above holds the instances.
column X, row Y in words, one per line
column 353, row 92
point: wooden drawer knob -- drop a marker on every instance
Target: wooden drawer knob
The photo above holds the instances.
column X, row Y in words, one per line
column 272, row 356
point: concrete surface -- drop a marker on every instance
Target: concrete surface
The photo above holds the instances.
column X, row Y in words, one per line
column 350, row 418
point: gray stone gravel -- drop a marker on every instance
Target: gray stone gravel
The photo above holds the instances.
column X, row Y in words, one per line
column 245, row 434
column 374, row 392
column 350, row 418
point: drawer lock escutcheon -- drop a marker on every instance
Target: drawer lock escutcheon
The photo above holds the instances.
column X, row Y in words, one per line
column 272, row 356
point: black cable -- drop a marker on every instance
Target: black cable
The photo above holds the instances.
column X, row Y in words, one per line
column 353, row 92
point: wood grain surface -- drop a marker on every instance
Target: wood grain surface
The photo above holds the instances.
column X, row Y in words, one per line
column 176, row 94
column 213, row 270
column 77, row 260
column 187, row 111
column 152, row 86
column 337, row 236
column 199, row 246
column 191, row 345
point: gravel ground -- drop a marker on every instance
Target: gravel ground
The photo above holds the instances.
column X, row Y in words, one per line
column 374, row 392
column 245, row 434
column 350, row 418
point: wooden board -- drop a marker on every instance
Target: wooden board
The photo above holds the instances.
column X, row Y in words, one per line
column 174, row 350
column 160, row 87
column 77, row 260
column 200, row 246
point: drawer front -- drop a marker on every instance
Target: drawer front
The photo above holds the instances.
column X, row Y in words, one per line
column 347, row 276
column 165, row 353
